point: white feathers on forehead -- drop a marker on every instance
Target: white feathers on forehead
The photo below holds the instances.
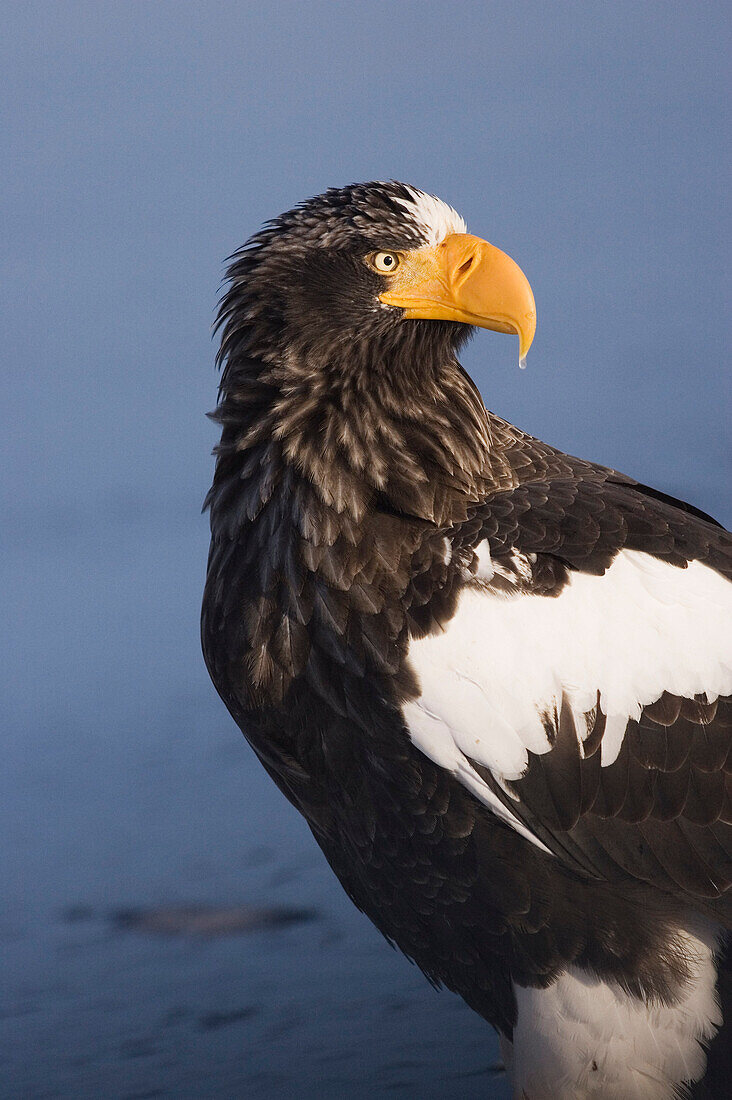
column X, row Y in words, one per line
column 434, row 218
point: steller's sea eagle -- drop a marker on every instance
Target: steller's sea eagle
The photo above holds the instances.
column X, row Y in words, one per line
column 495, row 679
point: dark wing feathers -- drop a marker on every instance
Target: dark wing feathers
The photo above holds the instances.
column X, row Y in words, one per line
column 661, row 812
column 584, row 515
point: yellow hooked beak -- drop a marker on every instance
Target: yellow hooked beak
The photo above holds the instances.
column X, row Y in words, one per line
column 465, row 279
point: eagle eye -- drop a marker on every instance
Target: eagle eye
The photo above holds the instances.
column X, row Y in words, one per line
column 384, row 262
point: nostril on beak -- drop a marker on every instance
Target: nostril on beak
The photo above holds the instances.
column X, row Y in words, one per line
column 465, row 267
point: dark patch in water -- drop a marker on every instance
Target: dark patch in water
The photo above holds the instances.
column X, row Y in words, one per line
column 495, row 1069
column 203, row 920
column 213, row 1020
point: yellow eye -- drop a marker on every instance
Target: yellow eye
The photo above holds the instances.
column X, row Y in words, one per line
column 385, row 262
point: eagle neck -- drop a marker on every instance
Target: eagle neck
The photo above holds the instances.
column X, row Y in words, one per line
column 369, row 432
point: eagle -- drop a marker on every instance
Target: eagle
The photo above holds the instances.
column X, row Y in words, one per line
column 495, row 679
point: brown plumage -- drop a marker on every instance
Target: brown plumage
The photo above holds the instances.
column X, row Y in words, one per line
column 357, row 478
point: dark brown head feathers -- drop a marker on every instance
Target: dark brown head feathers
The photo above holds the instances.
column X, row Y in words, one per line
column 324, row 379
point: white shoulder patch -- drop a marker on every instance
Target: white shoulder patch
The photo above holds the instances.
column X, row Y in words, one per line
column 434, row 217
column 584, row 1039
column 434, row 738
column 505, row 659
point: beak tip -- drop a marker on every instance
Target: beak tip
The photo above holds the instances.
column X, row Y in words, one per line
column 526, row 336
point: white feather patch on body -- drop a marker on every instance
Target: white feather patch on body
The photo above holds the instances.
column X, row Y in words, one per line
column 433, row 737
column 507, row 657
column 434, row 217
column 585, row 1039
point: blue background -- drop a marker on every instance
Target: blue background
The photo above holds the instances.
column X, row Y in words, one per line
column 142, row 142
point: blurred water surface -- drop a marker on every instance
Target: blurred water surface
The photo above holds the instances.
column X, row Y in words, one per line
column 129, row 788
column 145, row 142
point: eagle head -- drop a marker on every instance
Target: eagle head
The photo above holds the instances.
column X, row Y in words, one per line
column 346, row 275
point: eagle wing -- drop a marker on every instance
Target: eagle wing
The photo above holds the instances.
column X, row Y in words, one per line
column 582, row 687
